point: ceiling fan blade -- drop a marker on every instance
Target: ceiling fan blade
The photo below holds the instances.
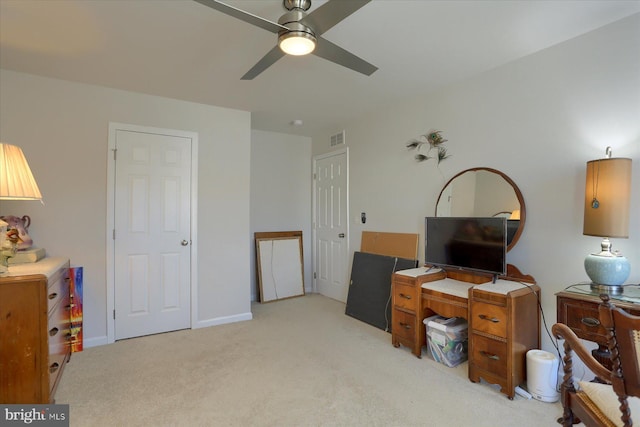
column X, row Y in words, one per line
column 269, row 59
column 243, row 16
column 330, row 13
column 334, row 53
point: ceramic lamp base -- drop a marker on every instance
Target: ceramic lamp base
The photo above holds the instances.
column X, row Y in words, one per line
column 608, row 271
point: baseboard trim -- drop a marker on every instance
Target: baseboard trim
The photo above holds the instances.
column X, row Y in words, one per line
column 95, row 342
column 103, row 340
column 223, row 320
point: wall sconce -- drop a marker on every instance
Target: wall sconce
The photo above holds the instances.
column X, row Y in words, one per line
column 606, row 214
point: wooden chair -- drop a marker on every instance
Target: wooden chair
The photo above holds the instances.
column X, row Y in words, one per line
column 611, row 401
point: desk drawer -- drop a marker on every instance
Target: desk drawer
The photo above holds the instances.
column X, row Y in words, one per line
column 489, row 355
column 489, row 318
column 404, row 324
column 583, row 318
column 404, row 296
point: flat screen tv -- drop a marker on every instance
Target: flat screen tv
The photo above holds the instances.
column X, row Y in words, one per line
column 478, row 244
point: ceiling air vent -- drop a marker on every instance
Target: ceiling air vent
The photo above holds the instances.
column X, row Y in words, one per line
column 337, row 139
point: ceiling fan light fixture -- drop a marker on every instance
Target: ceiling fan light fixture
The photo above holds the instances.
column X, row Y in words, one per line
column 297, row 43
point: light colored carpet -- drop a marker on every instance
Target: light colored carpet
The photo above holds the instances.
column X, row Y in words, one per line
column 300, row 362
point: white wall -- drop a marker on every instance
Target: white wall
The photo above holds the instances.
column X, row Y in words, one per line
column 281, row 192
column 539, row 120
column 63, row 129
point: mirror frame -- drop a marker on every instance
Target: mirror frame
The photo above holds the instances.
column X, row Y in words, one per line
column 523, row 210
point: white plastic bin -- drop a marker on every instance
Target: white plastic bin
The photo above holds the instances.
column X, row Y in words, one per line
column 447, row 339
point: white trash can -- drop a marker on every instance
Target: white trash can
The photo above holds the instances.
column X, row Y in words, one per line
column 542, row 375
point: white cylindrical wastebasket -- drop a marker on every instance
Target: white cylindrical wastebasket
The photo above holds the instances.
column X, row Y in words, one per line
column 542, row 375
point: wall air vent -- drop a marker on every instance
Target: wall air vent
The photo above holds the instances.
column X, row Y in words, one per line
column 337, row 139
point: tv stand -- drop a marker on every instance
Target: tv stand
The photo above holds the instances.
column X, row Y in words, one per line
column 503, row 316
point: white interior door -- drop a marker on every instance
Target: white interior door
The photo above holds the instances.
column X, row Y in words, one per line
column 152, row 246
column 331, row 225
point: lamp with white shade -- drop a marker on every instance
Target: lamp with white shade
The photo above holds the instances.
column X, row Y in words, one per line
column 606, row 214
column 16, row 183
column 16, row 180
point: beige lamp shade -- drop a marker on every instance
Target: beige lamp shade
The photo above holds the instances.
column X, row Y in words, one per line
column 607, row 198
column 16, row 179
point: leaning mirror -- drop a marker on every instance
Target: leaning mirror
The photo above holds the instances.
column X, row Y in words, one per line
column 484, row 192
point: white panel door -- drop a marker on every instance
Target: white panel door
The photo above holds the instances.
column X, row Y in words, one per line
column 331, row 226
column 152, row 233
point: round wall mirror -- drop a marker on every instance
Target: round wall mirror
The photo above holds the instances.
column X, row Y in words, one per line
column 484, row 192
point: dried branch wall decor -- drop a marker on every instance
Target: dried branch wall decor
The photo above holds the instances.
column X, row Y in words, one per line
column 433, row 141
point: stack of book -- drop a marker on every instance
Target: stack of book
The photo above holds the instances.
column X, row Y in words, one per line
column 27, row 255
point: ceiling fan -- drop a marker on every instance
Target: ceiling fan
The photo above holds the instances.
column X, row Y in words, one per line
column 299, row 32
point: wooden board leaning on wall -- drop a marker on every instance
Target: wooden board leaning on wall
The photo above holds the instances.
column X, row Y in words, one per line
column 401, row 245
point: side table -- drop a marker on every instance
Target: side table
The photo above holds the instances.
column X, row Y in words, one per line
column 578, row 309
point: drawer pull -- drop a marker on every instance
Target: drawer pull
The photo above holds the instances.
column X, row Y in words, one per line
column 53, row 295
column 590, row 321
column 54, row 367
column 492, row 319
column 490, row 356
column 405, row 296
column 53, row 331
column 70, row 306
column 405, row 325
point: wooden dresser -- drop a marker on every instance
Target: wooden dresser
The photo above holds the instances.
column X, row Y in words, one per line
column 35, row 324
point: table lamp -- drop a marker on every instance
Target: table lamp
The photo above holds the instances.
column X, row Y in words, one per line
column 16, row 179
column 606, row 214
column 16, row 183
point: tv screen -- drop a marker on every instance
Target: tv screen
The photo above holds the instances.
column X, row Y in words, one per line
column 478, row 244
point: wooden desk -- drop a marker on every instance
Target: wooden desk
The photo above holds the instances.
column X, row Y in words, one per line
column 578, row 309
column 504, row 320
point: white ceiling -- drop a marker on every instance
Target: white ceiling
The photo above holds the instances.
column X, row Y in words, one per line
column 184, row 50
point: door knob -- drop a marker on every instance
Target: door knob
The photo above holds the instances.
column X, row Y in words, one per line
column 184, row 242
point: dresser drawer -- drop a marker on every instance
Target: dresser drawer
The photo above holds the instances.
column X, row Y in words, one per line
column 489, row 318
column 55, row 292
column 404, row 324
column 489, row 355
column 59, row 328
column 404, row 297
column 56, row 363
